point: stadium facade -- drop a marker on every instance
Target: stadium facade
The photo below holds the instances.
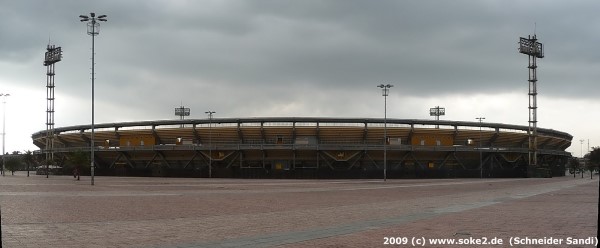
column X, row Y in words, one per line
column 295, row 147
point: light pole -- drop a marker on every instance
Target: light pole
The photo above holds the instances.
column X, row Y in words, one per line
column 480, row 151
column 582, row 158
column 93, row 29
column 210, row 116
column 385, row 90
column 3, row 95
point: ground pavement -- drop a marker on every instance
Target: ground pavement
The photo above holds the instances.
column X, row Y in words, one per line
column 178, row 212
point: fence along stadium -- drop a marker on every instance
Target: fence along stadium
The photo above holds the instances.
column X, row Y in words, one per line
column 296, row 147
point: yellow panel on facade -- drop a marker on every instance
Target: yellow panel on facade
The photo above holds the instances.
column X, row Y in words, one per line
column 432, row 140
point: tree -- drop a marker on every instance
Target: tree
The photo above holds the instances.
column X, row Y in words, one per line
column 77, row 161
column 591, row 167
column 29, row 160
column 12, row 165
column 573, row 166
column 593, row 159
column 594, row 156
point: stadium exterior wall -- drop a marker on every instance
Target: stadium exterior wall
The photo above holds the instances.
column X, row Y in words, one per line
column 295, row 147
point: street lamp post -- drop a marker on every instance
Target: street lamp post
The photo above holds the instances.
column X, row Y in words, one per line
column 92, row 30
column 581, row 148
column 210, row 116
column 3, row 95
column 480, row 151
column 385, row 90
column 582, row 158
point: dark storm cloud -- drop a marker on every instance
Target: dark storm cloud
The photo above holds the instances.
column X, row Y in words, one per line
column 159, row 52
column 452, row 46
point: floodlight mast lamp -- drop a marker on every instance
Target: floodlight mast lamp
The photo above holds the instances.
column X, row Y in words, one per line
column 210, row 117
column 533, row 50
column 182, row 112
column 53, row 55
column 4, row 96
column 93, row 29
column 437, row 112
column 385, row 90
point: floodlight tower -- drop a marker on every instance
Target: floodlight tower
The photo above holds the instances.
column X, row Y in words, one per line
column 182, row 111
column 437, row 111
column 533, row 50
column 93, row 29
column 53, row 55
column 385, row 91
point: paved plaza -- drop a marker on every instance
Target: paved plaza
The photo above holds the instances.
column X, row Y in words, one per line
column 185, row 212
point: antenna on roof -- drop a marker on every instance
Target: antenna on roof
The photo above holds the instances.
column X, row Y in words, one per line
column 534, row 28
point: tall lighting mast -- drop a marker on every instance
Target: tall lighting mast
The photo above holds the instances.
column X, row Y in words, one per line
column 53, row 55
column 4, row 96
column 437, row 112
column 534, row 50
column 93, row 29
column 385, row 91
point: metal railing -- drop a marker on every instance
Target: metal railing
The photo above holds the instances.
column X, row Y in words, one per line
column 309, row 147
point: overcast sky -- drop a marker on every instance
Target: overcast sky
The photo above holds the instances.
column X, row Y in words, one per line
column 317, row 58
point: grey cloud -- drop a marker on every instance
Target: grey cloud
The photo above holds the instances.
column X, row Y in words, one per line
column 149, row 51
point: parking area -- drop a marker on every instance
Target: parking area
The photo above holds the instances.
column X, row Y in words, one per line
column 181, row 212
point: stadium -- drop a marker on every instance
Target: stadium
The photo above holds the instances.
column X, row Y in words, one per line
column 297, row 147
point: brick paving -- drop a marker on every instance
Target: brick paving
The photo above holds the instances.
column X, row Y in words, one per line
column 177, row 212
